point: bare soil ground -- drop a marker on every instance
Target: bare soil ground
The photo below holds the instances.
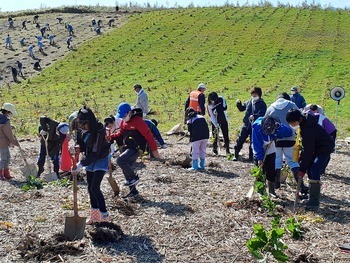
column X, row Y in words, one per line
column 83, row 31
column 180, row 216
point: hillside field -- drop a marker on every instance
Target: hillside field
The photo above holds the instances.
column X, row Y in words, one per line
column 170, row 51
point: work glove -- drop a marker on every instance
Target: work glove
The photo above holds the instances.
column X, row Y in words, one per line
column 301, row 174
column 43, row 133
column 77, row 169
column 164, row 146
column 71, row 149
column 155, row 154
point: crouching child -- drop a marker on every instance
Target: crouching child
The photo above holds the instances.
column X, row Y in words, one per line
column 132, row 137
column 199, row 135
column 264, row 133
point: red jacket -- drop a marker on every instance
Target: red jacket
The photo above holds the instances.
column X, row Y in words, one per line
column 135, row 134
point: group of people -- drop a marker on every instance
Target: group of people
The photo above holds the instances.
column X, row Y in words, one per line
column 39, row 42
column 272, row 133
column 128, row 132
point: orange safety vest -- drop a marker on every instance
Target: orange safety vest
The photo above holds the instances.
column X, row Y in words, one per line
column 194, row 101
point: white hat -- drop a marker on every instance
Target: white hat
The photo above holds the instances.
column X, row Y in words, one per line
column 202, row 86
column 9, row 107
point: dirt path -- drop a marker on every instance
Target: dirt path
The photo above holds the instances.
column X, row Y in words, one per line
column 83, row 31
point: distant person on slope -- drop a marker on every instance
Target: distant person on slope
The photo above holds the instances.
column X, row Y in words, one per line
column 8, row 41
column 141, row 100
column 69, row 41
column 297, row 98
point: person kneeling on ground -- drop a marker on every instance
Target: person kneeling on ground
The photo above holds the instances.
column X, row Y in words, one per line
column 132, row 138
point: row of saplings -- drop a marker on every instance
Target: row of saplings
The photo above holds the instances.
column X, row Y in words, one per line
column 267, row 243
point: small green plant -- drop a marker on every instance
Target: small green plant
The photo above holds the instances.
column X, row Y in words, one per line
column 260, row 178
column 33, row 183
column 269, row 205
column 63, row 182
column 293, row 226
column 267, row 242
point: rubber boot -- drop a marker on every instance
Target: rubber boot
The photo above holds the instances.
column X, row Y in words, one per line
column 105, row 217
column 303, row 188
column 2, row 175
column 7, row 174
column 271, row 188
column 95, row 216
column 194, row 166
column 236, row 154
column 315, row 191
column 277, row 178
column 201, row 164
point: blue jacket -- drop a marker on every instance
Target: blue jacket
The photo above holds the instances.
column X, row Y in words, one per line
column 153, row 128
column 298, row 100
column 260, row 141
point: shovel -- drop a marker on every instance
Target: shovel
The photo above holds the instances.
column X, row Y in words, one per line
column 50, row 176
column 112, row 182
column 29, row 169
column 75, row 225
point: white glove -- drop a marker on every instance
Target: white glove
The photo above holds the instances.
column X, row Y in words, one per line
column 164, row 146
column 71, row 150
column 43, row 133
column 238, row 101
column 78, row 168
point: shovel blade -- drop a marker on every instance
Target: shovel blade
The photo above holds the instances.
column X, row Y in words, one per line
column 49, row 177
column 74, row 228
column 29, row 170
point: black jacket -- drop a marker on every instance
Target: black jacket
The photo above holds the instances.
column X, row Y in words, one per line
column 93, row 152
column 316, row 141
column 256, row 108
column 198, row 128
column 54, row 141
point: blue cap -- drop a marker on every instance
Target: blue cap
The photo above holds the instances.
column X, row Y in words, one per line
column 63, row 128
column 123, row 109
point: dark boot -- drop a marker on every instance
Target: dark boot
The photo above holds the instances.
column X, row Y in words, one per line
column 315, row 191
column 236, row 154
column 40, row 171
column 277, row 179
column 271, row 188
column 303, row 188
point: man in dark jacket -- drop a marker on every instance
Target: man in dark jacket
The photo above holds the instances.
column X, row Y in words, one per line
column 297, row 98
column 217, row 108
column 254, row 108
column 317, row 147
column 54, row 133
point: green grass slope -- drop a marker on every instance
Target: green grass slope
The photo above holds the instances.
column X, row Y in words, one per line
column 170, row 51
